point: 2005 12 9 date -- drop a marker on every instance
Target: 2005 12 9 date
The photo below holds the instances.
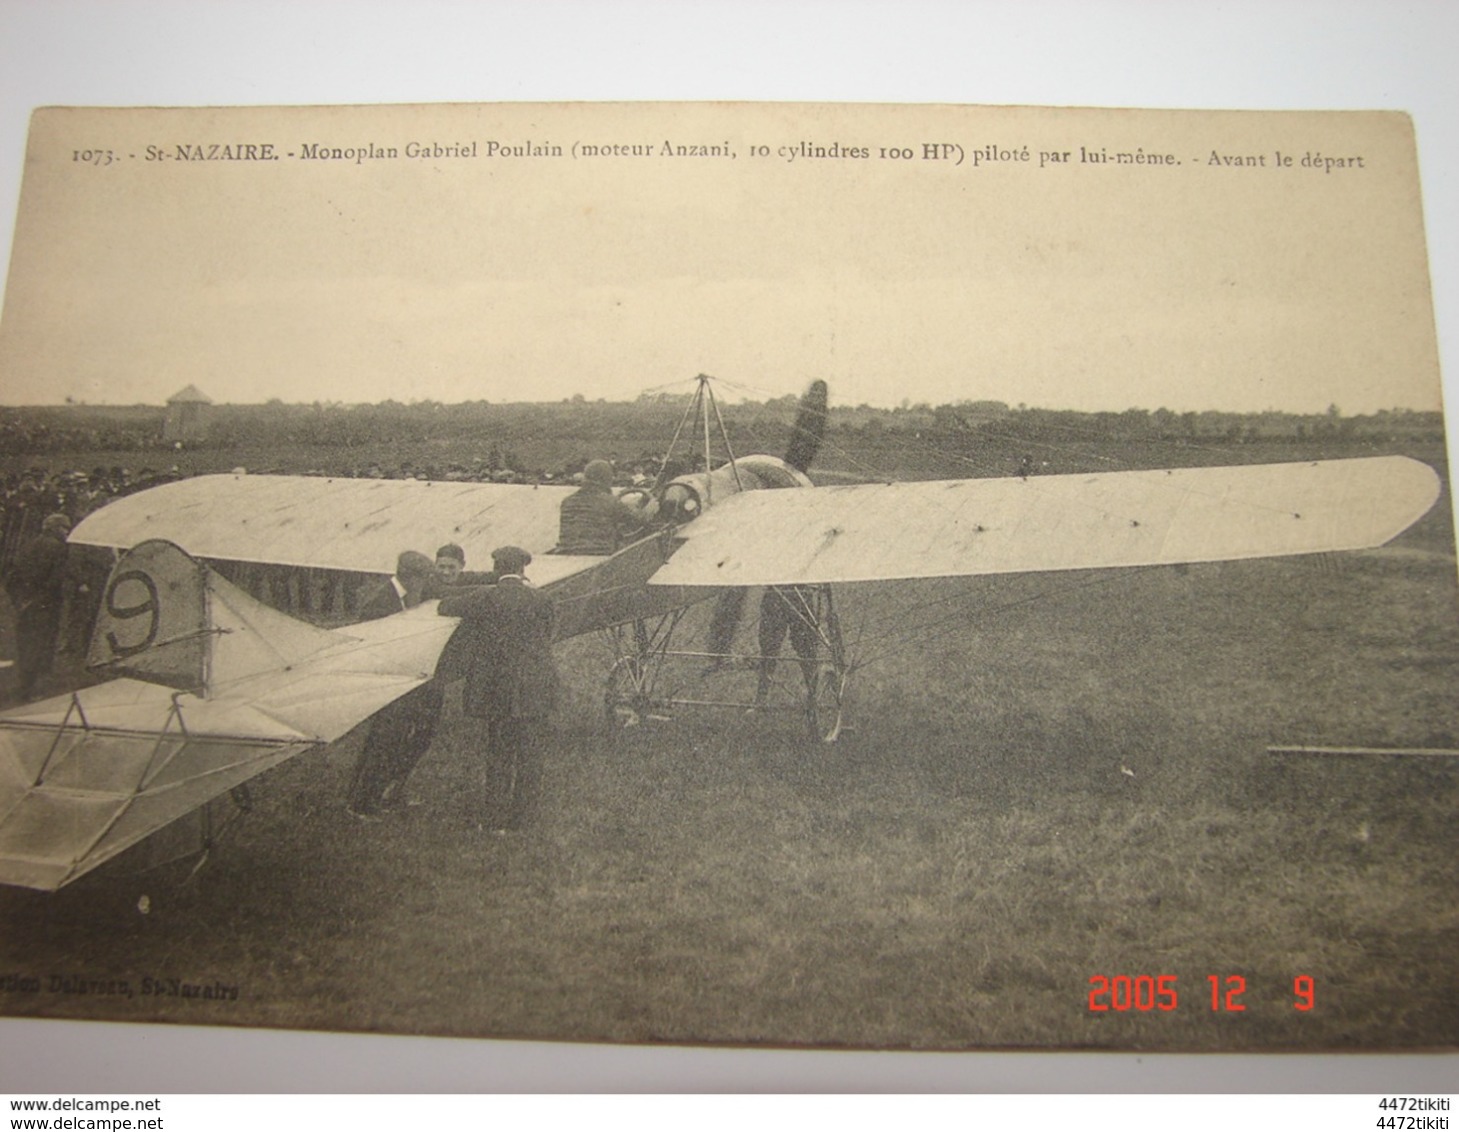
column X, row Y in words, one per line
column 1143, row 993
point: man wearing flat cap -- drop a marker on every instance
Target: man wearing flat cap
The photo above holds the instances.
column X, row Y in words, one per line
column 511, row 682
column 400, row 732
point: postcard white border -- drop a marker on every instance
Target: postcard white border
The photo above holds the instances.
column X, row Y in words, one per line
column 1361, row 55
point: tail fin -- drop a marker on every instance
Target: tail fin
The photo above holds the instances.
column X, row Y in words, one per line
column 167, row 619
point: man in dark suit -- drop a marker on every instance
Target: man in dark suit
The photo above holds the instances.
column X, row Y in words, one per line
column 36, row 585
column 511, row 682
column 401, row 732
column 405, row 589
column 452, row 576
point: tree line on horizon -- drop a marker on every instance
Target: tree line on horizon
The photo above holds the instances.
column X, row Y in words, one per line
column 651, row 419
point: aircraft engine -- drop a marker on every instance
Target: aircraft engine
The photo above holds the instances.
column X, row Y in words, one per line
column 687, row 497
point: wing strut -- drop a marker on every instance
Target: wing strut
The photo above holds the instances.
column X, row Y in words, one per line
column 76, row 708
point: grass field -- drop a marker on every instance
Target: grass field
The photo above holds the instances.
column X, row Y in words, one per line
column 1049, row 779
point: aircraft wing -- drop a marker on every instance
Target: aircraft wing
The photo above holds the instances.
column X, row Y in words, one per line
column 230, row 689
column 74, row 795
column 869, row 532
column 338, row 524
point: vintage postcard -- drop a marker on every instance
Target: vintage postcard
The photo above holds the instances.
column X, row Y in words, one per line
column 906, row 577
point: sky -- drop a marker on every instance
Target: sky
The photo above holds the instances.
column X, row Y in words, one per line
column 809, row 242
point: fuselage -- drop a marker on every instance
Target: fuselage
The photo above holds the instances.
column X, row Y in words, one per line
column 615, row 590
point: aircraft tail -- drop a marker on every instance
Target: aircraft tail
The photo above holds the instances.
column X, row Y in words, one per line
column 167, row 619
column 214, row 688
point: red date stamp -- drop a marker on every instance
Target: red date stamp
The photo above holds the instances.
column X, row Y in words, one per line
column 1144, row 993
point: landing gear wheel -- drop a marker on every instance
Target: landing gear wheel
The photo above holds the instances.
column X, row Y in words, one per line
column 825, row 702
column 625, row 699
column 823, row 705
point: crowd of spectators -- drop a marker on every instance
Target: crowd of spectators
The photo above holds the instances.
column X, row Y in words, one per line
column 22, row 435
column 27, row 497
column 640, row 471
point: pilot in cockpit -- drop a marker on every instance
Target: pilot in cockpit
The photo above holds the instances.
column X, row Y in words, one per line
column 595, row 521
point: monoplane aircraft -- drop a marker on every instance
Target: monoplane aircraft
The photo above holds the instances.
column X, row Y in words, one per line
column 212, row 687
